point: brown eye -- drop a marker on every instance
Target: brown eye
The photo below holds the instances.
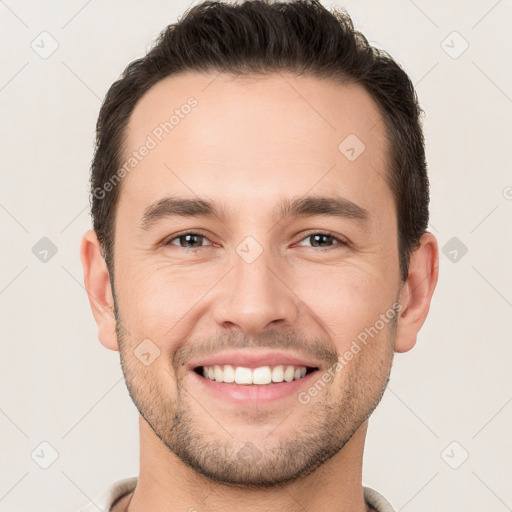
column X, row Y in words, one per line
column 324, row 240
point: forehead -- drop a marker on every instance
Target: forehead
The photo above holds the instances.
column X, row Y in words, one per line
column 254, row 136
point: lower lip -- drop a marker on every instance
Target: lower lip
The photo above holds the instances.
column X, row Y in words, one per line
column 253, row 393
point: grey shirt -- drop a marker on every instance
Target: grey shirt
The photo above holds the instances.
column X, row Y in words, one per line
column 119, row 488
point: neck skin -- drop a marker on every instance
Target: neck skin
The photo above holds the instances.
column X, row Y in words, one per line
column 165, row 483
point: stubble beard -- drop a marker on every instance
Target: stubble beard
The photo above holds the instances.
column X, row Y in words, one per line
column 295, row 446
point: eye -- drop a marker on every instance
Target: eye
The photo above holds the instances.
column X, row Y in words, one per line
column 187, row 240
column 193, row 240
column 322, row 240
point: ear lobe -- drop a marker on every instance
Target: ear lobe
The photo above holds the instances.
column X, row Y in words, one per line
column 99, row 290
column 417, row 291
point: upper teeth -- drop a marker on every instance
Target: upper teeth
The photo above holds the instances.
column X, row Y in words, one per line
column 261, row 375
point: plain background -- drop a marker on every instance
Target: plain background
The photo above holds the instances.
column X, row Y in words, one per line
column 448, row 399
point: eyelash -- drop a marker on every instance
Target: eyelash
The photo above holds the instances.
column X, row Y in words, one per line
column 340, row 242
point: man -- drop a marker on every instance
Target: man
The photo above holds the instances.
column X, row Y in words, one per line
column 259, row 252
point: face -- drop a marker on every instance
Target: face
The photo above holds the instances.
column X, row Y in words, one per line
column 252, row 232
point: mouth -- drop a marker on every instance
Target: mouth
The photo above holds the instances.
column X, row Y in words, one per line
column 252, row 387
column 251, row 378
column 259, row 376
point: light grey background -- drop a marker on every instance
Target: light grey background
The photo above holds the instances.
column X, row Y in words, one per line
column 60, row 386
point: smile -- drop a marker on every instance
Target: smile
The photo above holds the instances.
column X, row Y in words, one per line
column 261, row 376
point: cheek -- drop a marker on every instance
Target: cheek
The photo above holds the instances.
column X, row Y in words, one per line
column 156, row 301
column 348, row 301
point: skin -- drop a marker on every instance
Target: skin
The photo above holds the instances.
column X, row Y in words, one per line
column 248, row 144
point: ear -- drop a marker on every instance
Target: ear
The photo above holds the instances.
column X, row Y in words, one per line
column 99, row 290
column 416, row 292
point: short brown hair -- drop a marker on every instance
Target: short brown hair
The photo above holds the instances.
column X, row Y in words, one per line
column 261, row 36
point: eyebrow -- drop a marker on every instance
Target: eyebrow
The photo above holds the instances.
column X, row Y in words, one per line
column 310, row 206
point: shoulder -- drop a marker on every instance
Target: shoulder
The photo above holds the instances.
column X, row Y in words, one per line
column 376, row 500
column 111, row 495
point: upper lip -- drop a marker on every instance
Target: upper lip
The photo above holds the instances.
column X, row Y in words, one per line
column 250, row 359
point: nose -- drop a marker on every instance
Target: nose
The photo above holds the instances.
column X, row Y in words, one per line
column 256, row 296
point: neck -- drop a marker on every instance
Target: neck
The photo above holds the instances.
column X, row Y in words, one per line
column 165, row 483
